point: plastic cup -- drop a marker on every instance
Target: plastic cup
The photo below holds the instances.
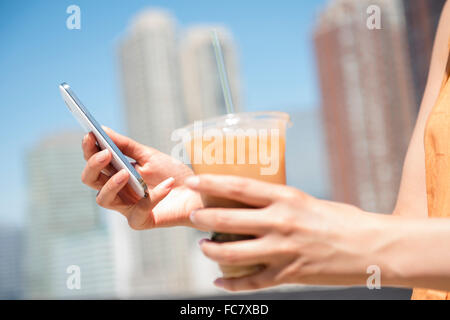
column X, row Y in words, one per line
column 250, row 145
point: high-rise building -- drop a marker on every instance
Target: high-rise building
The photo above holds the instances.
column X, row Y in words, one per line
column 422, row 19
column 158, row 263
column 11, row 262
column 151, row 79
column 65, row 226
column 201, row 82
column 368, row 101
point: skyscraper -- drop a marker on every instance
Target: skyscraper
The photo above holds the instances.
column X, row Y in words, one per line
column 422, row 19
column 64, row 225
column 368, row 101
column 159, row 260
column 11, row 262
column 150, row 73
column 201, row 83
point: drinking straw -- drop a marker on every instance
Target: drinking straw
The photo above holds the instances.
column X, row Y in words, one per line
column 222, row 73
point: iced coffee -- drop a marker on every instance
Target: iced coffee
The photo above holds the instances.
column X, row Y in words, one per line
column 249, row 145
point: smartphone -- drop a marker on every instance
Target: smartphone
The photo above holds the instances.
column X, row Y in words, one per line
column 89, row 124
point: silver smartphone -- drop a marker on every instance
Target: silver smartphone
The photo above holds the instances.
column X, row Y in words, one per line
column 89, row 124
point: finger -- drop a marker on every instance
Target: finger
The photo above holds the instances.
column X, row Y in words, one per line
column 250, row 191
column 263, row 279
column 161, row 190
column 238, row 253
column 237, row 221
column 92, row 173
column 145, row 219
column 108, row 195
column 128, row 146
column 89, row 146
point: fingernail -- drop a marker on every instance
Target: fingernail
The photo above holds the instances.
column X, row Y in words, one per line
column 218, row 282
column 120, row 176
column 168, row 182
column 101, row 156
column 192, row 216
column 202, row 241
column 192, row 181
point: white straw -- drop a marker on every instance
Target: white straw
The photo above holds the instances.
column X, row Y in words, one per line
column 222, row 73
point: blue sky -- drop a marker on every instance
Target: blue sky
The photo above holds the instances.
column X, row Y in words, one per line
column 38, row 52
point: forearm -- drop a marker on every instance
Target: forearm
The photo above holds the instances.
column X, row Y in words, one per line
column 413, row 252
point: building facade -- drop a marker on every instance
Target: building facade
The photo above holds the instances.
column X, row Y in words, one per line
column 202, row 88
column 368, row 101
column 160, row 262
column 11, row 262
column 150, row 74
column 64, row 225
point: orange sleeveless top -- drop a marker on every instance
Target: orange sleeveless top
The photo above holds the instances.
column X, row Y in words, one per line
column 437, row 165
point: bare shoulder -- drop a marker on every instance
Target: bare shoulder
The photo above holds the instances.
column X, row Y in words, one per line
column 446, row 11
column 439, row 60
column 412, row 199
column 443, row 33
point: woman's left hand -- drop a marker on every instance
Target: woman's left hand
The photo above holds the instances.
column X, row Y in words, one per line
column 299, row 239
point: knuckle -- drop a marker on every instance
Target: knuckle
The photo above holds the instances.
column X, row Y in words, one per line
column 232, row 287
column 133, row 225
column 228, row 256
column 285, row 223
column 287, row 249
column 84, row 143
column 253, row 283
column 136, row 222
column 100, row 201
column 84, row 177
column 291, row 194
column 221, row 220
column 236, row 186
column 91, row 165
column 109, row 186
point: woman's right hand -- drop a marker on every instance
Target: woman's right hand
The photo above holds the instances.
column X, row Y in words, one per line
column 169, row 202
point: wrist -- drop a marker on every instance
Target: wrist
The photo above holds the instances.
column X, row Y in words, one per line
column 388, row 250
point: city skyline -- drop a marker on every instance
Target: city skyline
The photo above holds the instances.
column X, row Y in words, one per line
column 152, row 71
column 86, row 59
column 155, row 78
column 158, row 262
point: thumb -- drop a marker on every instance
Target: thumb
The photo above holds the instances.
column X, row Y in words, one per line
column 161, row 191
column 145, row 219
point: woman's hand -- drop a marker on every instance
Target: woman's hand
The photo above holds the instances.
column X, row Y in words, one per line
column 299, row 239
column 169, row 202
